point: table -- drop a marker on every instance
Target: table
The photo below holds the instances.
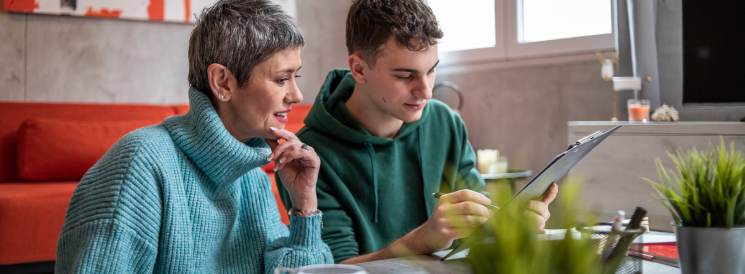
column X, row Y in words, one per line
column 432, row 264
column 511, row 176
column 420, row 264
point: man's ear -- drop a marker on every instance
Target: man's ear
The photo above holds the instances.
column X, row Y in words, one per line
column 221, row 81
column 357, row 66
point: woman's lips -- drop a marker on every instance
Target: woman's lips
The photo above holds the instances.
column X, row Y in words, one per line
column 281, row 116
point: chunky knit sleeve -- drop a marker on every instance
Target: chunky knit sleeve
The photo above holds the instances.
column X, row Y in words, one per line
column 296, row 246
column 302, row 247
column 113, row 219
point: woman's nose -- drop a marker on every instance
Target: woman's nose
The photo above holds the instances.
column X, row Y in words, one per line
column 294, row 96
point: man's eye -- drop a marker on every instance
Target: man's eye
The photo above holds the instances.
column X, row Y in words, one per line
column 404, row 78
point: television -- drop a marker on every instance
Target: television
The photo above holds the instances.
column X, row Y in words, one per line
column 713, row 57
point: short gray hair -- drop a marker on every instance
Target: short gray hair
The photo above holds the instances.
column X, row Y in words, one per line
column 239, row 34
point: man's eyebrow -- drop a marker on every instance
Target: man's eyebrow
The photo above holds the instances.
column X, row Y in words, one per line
column 414, row 70
column 433, row 67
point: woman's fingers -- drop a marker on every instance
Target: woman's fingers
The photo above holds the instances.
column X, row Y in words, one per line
column 278, row 150
column 293, row 151
column 272, row 143
column 284, row 134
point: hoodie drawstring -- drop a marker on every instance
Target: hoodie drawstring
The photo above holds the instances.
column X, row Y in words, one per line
column 371, row 150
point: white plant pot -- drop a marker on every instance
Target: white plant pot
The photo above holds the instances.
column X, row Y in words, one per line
column 711, row 250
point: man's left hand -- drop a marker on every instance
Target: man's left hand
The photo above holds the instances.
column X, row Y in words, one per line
column 538, row 209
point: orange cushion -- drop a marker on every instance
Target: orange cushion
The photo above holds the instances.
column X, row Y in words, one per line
column 181, row 109
column 63, row 150
column 12, row 115
column 31, row 217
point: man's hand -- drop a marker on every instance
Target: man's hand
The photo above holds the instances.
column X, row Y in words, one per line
column 455, row 216
column 538, row 209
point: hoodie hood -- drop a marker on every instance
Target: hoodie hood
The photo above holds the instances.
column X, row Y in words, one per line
column 329, row 113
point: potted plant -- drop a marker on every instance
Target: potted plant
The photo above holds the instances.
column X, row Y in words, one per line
column 706, row 197
column 517, row 246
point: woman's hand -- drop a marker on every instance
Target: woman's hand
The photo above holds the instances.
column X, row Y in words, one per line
column 297, row 167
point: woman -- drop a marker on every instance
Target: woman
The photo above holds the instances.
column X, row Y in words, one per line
column 187, row 195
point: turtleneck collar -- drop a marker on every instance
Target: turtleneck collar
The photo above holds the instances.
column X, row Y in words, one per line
column 202, row 136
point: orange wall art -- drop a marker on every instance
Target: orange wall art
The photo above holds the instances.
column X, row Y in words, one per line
column 153, row 10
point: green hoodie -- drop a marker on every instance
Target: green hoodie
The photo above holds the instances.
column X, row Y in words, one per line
column 372, row 190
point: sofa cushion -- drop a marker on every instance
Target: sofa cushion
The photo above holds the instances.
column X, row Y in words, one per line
column 12, row 115
column 31, row 217
column 63, row 150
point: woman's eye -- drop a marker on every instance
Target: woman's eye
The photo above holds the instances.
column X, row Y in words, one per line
column 297, row 76
column 282, row 81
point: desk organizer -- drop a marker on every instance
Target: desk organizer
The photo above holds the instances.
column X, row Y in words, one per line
column 605, row 241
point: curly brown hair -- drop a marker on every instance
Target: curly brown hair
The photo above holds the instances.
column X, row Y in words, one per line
column 370, row 23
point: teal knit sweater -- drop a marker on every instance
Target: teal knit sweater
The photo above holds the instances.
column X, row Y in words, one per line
column 183, row 196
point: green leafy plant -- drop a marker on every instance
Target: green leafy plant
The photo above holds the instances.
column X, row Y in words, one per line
column 517, row 247
column 708, row 189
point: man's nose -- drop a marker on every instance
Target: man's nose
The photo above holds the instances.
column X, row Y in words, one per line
column 423, row 89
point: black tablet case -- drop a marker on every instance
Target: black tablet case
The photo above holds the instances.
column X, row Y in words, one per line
column 556, row 169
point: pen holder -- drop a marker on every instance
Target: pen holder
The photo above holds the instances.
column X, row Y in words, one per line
column 605, row 241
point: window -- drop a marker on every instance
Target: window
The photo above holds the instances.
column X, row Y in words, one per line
column 469, row 24
column 478, row 31
column 544, row 20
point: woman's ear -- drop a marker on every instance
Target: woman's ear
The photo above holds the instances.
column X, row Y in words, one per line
column 357, row 66
column 221, row 82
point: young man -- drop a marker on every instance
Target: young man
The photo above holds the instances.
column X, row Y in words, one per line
column 385, row 147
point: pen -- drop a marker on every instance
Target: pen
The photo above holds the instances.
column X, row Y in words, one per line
column 491, row 208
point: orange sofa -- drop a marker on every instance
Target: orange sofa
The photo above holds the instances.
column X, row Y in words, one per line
column 45, row 148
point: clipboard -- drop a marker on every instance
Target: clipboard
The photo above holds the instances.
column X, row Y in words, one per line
column 556, row 169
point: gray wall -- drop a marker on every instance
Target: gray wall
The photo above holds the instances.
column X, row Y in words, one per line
column 322, row 22
column 72, row 59
column 523, row 111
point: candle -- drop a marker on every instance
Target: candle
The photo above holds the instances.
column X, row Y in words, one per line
column 486, row 157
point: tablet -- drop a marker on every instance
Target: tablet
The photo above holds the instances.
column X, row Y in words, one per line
column 556, row 169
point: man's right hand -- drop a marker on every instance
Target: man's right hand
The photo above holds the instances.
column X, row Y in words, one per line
column 455, row 216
